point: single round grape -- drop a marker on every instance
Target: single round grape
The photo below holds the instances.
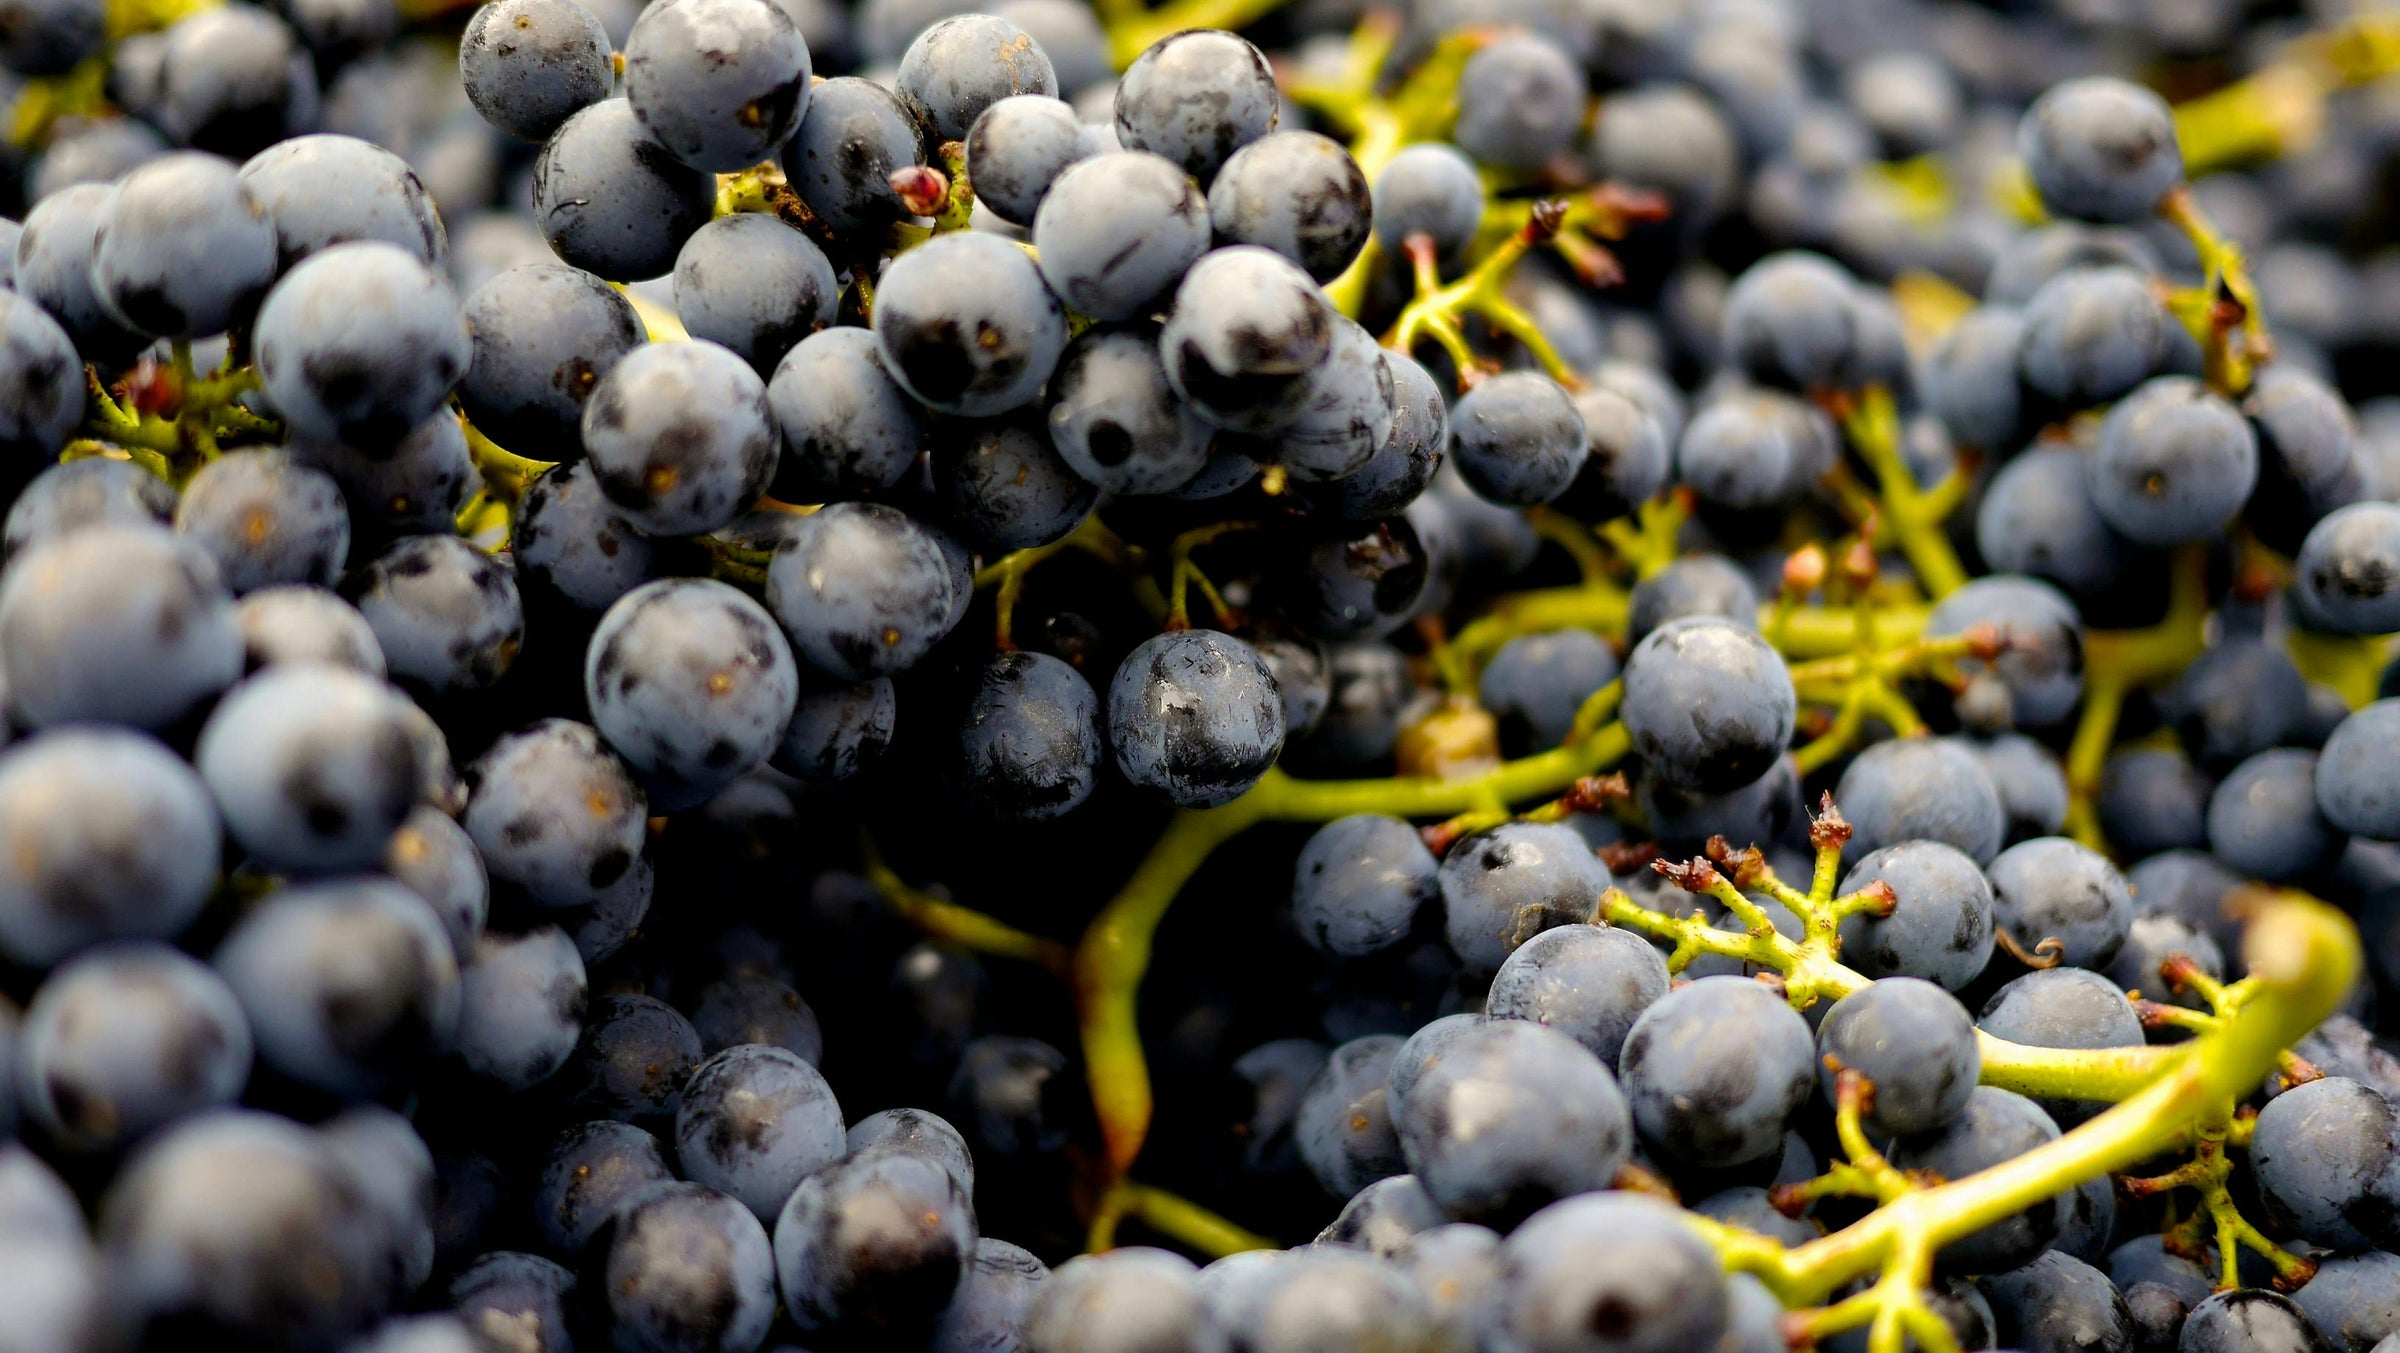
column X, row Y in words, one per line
column 1384, row 1216
column 2244, row 1318
column 1536, row 684
column 847, row 426
column 1755, row 449
column 1708, row 704
column 447, row 615
column 2354, row 1299
column 1117, row 231
column 2263, row 818
column 967, row 324
column 325, row 190
column 1297, row 193
column 2308, row 464
column 1913, row 789
column 2031, row 780
column 593, row 1171
column 355, row 1029
column 2100, row 149
column 2349, row 569
column 964, row 64
column 115, row 624
column 414, row 487
column 125, row 1039
column 719, row 83
column 1504, row 883
column 1914, row 1043
column 509, row 1293
column 1589, row 982
column 863, row 590
column 840, row 160
column 1403, row 463
column 1518, row 439
column 754, row 285
column 312, row 767
column 692, row 684
column 555, row 814
column 2327, row 1155
column 266, row 518
column 613, row 201
column 1429, row 189
column 1791, row 321
column 231, row 80
column 874, row 1246
column 529, row 65
column 1193, row 715
column 1360, row 884
column 1510, row 1116
column 2175, row 463
column 1017, row 149
column 1029, row 744
column 183, row 247
column 2054, row 888
column 1348, row 413
column 680, row 437
column 687, row 1268
column 2091, row 334
column 1343, row 1125
column 1247, row 333
column 521, row 1004
column 1520, row 102
column 1136, row 1297
column 1940, row 928
column 1969, row 379
column 837, row 730
column 2042, row 669
column 755, row 1121
column 1627, row 457
column 54, row 271
column 1196, row 97
column 1695, row 585
column 1614, row 1262
column 1115, row 420
column 2038, row 518
column 1715, row 1069
column 1671, row 139
column 571, row 548
column 69, row 495
column 1008, row 489
column 360, row 343
column 2355, row 791
column 2063, row 1007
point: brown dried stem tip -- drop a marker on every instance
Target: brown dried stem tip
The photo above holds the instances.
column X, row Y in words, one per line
column 1743, row 866
column 1623, row 857
column 1828, row 830
column 1804, row 570
column 1693, row 876
column 1594, row 793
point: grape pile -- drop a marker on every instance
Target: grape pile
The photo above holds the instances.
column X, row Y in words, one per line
column 720, row 676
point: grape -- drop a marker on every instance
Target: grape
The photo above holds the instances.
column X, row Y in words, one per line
column 436, row 859
column 1520, row 101
column 521, row 1004
column 754, row 1008
column 2243, row 1319
column 1755, row 449
column 266, row 518
column 840, row 160
column 1940, row 928
column 1508, row 1117
column 1969, row 380
column 613, row 201
column 1996, row 1126
column 415, row 487
column 2263, row 818
column 2100, row 149
column 115, row 624
column 182, row 247
column 1331, row 1298
column 2175, row 463
column 2054, row 888
column 915, row 1132
column 1508, row 881
column 349, row 1030
column 2038, row 518
column 572, row 550
column 1193, row 715
column 754, row 1122
column 511, row 1294
column 311, row 766
column 1518, row 439
column 1915, row 1045
column 2063, row 1007
column 1297, row 193
column 837, row 731
column 874, row 1246
column 1114, row 419
column 1196, row 97
column 1671, row 139
column 1247, row 332
column 2351, row 791
column 635, row 1056
column 2152, row 799
column 1343, row 1125
column 231, row 81
column 846, row 425
column 1017, row 149
column 2354, row 1299
column 2058, row 1301
column 957, row 68
column 2092, row 334
column 1117, row 231
column 719, row 83
column 1695, row 585
column 680, row 437
column 529, row 65
column 1615, row 1266
column 1008, row 489
column 989, row 1311
column 447, row 615
column 2325, row 1155
column 967, row 325
column 687, row 1268
column 593, row 1170
column 1627, row 455
column 1029, row 745
column 2307, row 464
column 49, row 37
column 1715, row 1069
column 1589, row 982
column 325, row 190
column 1385, row 1216
column 2348, row 567
column 754, row 285
column 555, row 814
column 1429, row 189
column 1709, row 705
column 54, row 270
column 1791, row 320
column 242, row 1226
column 1536, row 683
column 360, row 343
column 1349, row 412
column 126, row 1039
column 1404, row 461
column 73, row 494
column 1124, row 1299
column 692, row 684
column 1362, row 581
column 1007, row 1091
column 862, row 590
column 1360, row 884
column 1921, row 789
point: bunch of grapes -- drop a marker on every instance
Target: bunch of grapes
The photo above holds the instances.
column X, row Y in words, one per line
column 1650, row 676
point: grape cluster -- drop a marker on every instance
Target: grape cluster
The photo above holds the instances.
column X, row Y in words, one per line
column 1694, row 677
